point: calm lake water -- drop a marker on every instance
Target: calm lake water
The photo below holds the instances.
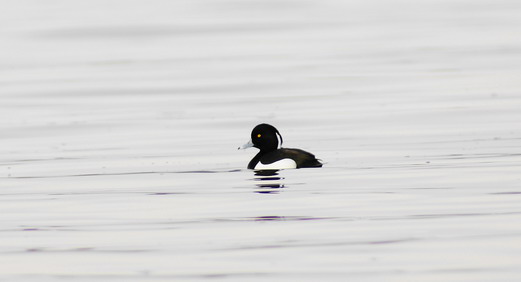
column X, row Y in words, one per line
column 120, row 122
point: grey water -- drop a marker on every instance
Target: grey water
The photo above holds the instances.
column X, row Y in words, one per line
column 120, row 122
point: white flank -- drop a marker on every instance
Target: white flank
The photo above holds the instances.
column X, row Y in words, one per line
column 281, row 164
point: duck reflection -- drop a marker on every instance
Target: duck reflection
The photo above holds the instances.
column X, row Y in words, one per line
column 268, row 181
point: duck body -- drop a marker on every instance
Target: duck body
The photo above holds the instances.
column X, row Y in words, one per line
column 284, row 158
column 264, row 137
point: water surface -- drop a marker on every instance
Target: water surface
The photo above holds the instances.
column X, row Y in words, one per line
column 120, row 122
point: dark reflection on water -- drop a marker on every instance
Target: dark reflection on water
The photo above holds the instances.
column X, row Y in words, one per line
column 287, row 218
column 268, row 181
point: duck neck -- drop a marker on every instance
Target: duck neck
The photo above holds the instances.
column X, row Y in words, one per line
column 255, row 160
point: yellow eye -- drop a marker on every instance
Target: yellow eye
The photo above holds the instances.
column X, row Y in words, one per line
column 259, row 136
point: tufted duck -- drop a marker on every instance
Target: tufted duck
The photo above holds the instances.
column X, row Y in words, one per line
column 264, row 137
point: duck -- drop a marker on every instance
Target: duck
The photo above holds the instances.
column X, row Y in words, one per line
column 265, row 137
